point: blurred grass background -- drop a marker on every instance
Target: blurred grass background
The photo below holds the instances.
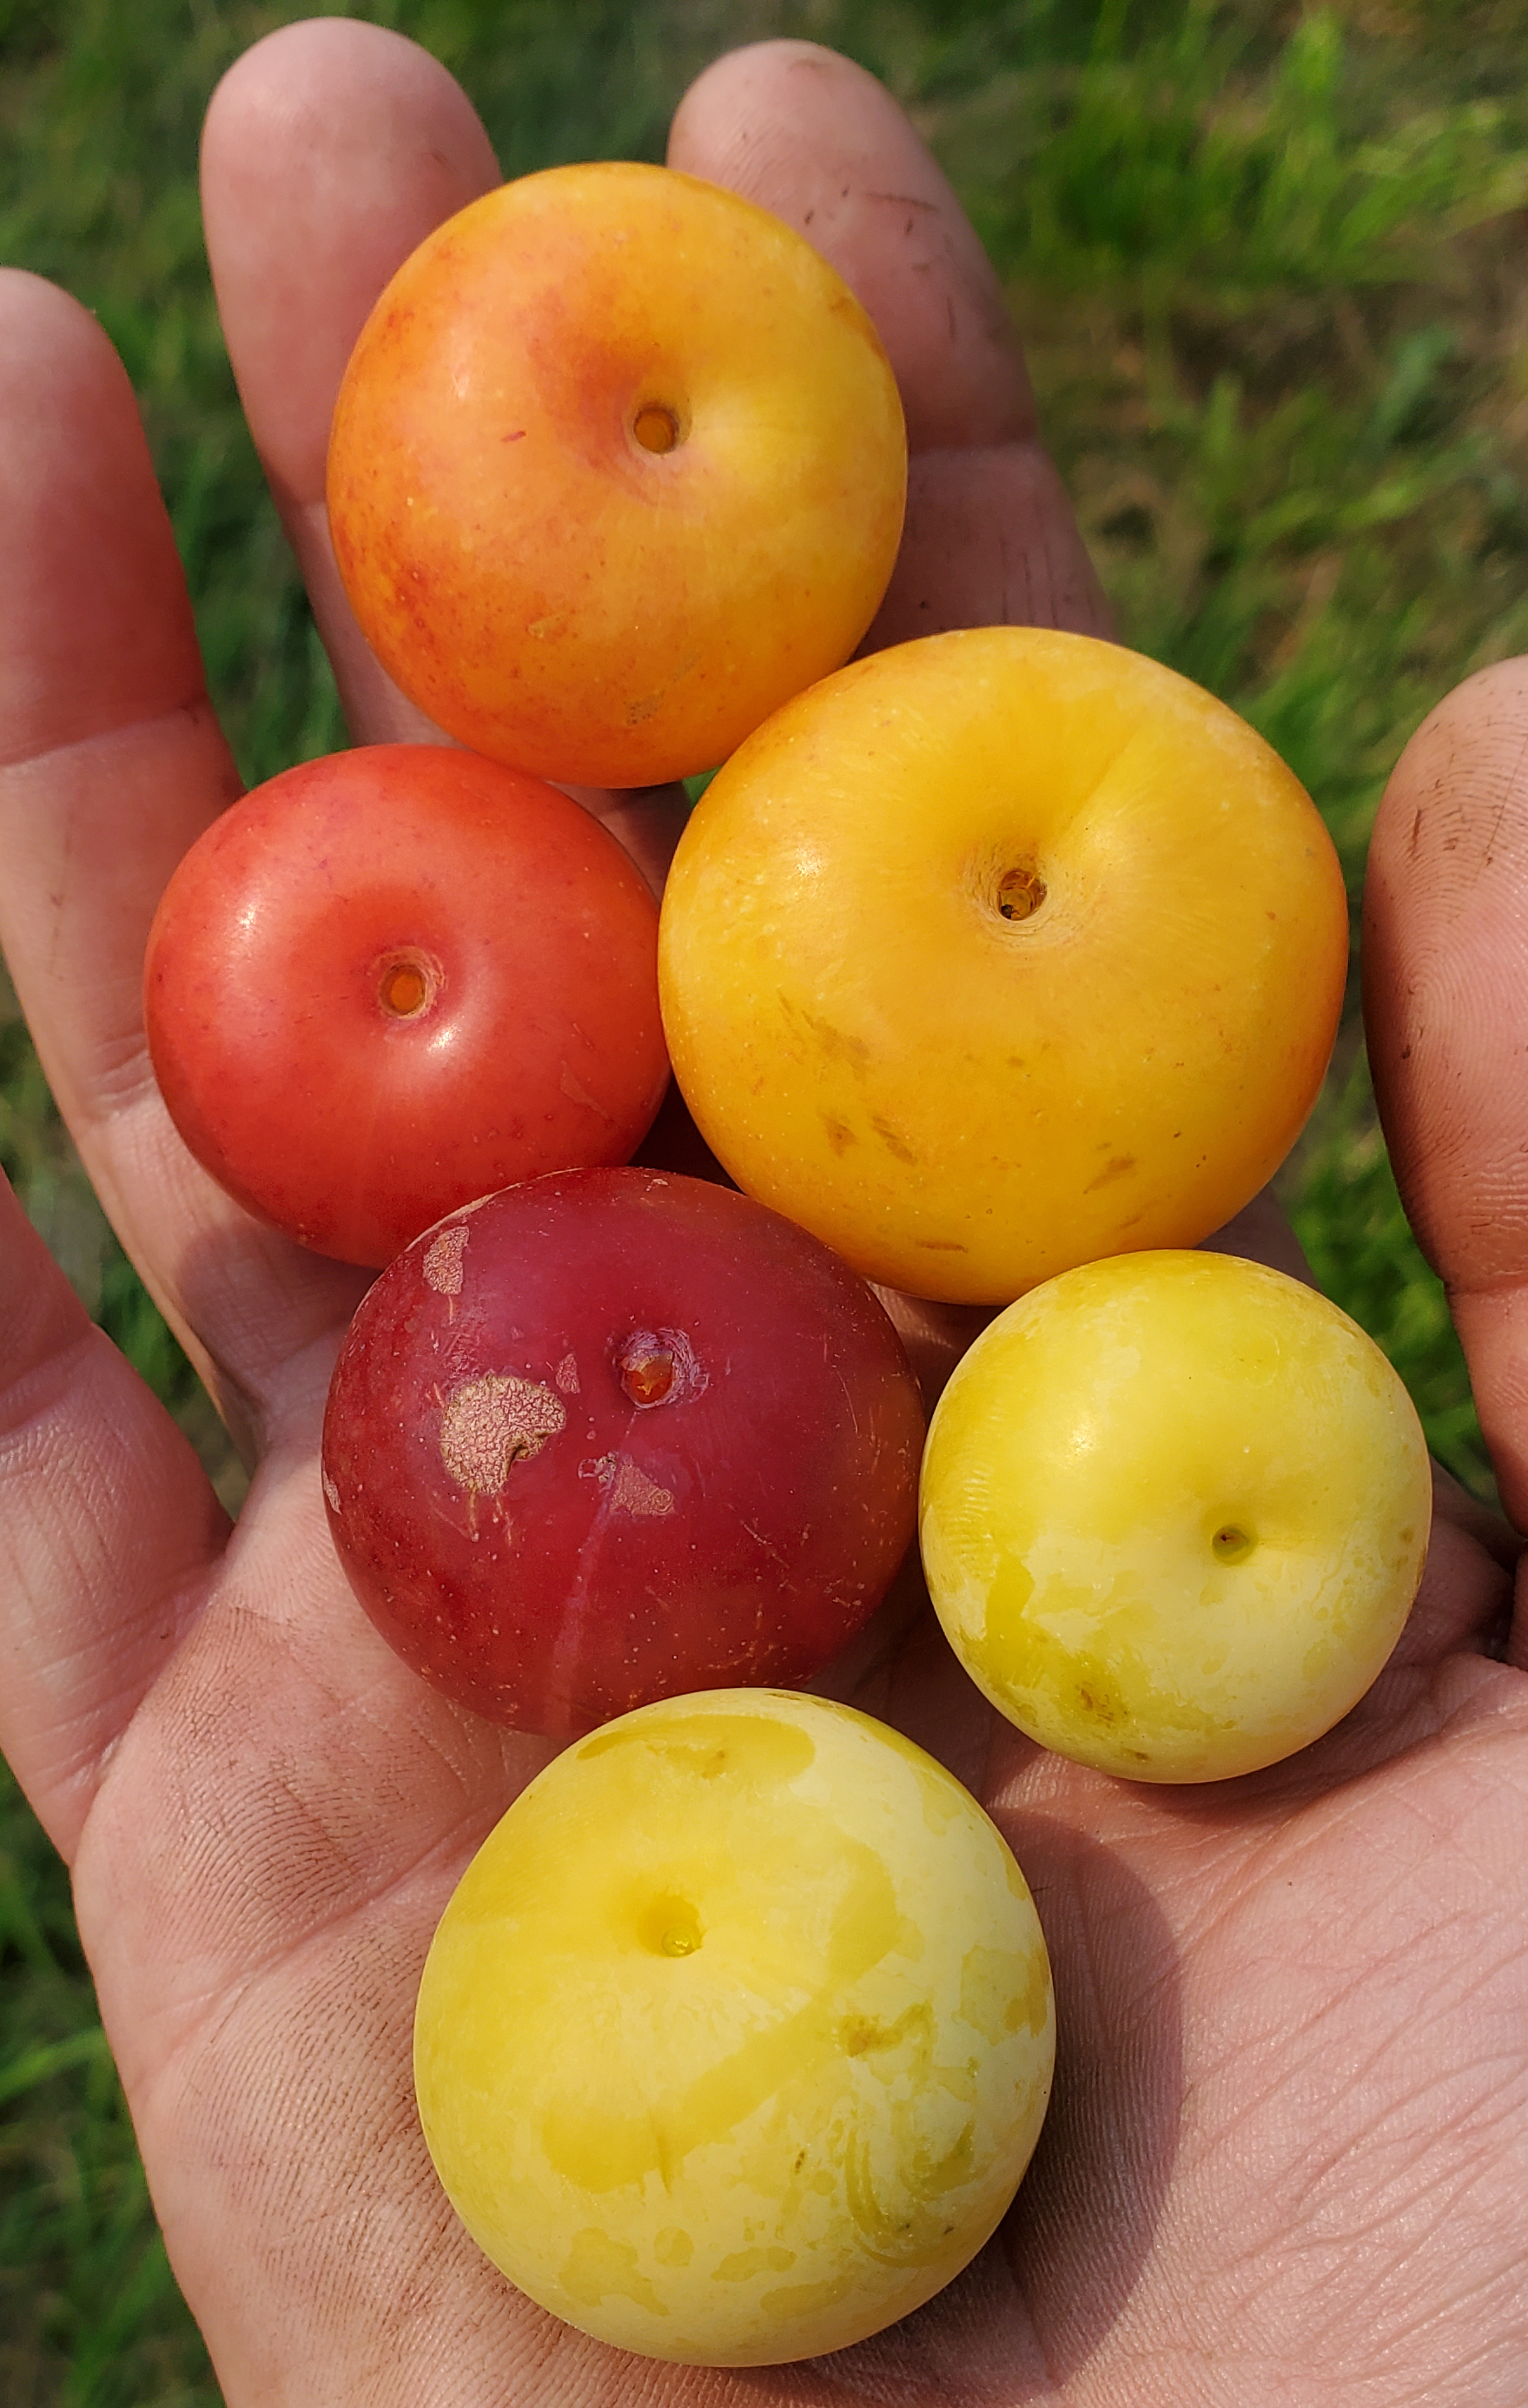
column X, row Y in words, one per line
column 1267, row 257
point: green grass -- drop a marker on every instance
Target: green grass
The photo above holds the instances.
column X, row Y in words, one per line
column 1265, row 259
column 90, row 2316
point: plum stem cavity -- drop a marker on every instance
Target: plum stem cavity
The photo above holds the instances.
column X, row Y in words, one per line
column 408, row 981
column 670, row 1927
column 658, row 1367
column 1021, row 891
column 656, row 427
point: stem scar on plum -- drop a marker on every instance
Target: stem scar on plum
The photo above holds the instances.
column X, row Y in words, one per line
column 646, row 1378
column 658, row 1367
column 1021, row 891
column 1230, row 1544
column 670, row 1927
column 406, row 980
column 656, row 427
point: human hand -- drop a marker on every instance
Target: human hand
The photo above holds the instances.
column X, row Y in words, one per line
column 1287, row 2146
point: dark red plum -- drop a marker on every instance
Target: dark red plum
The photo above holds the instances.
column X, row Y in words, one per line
column 617, row 1435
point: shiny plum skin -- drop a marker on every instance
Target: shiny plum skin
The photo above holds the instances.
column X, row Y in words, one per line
column 390, row 981
column 614, row 1436
column 617, row 463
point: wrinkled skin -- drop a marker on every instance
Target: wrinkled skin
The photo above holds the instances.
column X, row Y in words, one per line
column 1289, row 2145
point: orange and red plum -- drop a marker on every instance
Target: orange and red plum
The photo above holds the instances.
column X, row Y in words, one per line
column 618, row 465
column 392, row 979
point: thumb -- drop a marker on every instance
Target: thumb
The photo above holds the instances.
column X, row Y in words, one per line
column 1445, row 949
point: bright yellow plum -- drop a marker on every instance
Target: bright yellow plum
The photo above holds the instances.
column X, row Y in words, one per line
column 1174, row 1512
column 1000, row 951
column 736, row 2036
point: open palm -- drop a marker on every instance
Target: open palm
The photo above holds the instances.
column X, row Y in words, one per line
column 1290, row 2136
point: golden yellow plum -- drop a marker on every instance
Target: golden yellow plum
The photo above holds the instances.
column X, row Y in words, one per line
column 1000, row 951
column 617, row 466
column 736, row 2036
column 1173, row 1511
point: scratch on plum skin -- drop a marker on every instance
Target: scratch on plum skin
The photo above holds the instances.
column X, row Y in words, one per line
column 579, row 1094
column 491, row 1424
column 760, row 1540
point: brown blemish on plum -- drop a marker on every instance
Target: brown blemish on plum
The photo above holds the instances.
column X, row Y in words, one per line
column 1119, row 1167
column 840, row 1136
column 836, row 1043
column 442, row 1265
column 860, row 2033
column 1103, row 1708
column 489, row 1424
column 644, row 706
column 894, row 1142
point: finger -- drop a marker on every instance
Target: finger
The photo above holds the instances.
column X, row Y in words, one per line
column 108, row 1528
column 111, row 764
column 330, row 150
column 1445, row 1005
column 990, row 534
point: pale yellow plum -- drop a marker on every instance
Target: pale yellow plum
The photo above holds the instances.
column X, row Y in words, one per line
column 735, row 2039
column 1173, row 1511
column 1000, row 951
column 618, row 465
